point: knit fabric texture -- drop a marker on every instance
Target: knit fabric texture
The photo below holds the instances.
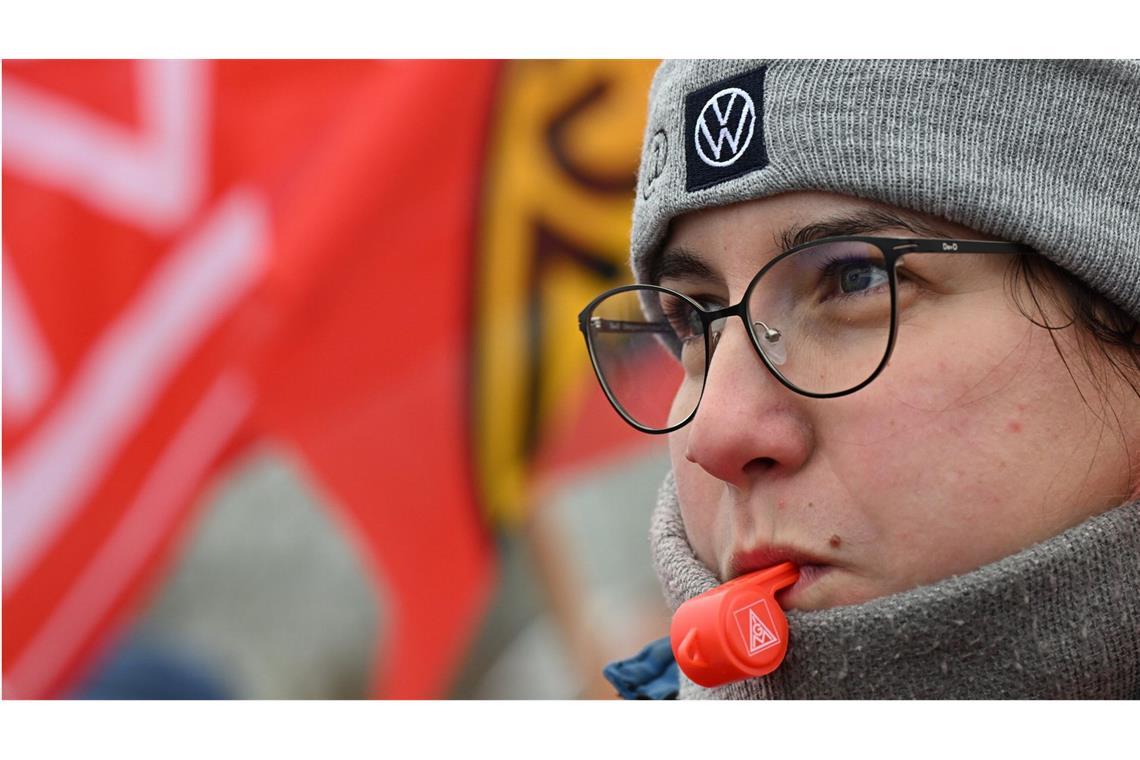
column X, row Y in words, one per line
column 1059, row 620
column 1045, row 153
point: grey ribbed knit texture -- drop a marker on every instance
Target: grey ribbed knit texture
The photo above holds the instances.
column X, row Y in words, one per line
column 1058, row 620
column 1041, row 152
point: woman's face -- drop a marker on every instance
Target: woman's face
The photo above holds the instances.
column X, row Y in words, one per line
column 972, row 444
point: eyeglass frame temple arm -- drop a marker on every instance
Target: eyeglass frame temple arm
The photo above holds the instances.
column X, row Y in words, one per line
column 624, row 326
column 939, row 245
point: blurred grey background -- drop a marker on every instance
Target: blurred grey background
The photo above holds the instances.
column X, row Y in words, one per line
column 269, row 601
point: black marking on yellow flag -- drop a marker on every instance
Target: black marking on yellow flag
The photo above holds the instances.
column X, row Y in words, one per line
column 617, row 182
column 549, row 248
column 553, row 232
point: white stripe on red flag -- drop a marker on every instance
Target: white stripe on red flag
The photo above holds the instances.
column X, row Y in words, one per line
column 178, row 472
column 192, row 290
column 29, row 372
column 153, row 177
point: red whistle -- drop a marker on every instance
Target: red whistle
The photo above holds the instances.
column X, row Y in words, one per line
column 734, row 631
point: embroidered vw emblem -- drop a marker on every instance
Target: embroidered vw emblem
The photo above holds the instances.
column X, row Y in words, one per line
column 727, row 120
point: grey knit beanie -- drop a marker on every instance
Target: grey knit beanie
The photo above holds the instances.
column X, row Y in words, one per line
column 1039, row 152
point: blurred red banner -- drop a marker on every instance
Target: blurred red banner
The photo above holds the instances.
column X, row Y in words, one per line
column 197, row 255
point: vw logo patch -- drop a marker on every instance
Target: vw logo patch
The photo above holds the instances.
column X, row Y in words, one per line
column 724, row 130
column 725, row 126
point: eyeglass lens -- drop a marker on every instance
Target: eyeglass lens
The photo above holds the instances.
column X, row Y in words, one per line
column 821, row 316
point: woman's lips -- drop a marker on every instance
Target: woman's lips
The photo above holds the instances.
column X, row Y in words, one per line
column 809, row 574
column 762, row 557
column 811, row 568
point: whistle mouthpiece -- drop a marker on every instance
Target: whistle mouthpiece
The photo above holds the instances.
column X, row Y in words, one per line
column 734, row 631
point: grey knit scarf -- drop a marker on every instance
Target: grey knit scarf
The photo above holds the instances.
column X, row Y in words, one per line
column 1058, row 620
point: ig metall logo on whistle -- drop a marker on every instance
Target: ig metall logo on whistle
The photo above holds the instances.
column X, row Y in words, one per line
column 734, row 631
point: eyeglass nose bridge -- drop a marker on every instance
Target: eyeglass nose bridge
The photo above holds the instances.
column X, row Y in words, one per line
column 775, row 348
column 715, row 321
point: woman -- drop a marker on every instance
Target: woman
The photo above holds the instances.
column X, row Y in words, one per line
column 929, row 402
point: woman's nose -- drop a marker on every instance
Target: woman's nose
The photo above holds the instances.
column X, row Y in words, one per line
column 748, row 424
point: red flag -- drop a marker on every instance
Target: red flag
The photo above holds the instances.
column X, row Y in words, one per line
column 196, row 254
column 374, row 264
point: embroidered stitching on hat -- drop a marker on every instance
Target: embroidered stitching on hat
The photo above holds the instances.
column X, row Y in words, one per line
column 724, row 130
column 655, row 162
column 745, row 117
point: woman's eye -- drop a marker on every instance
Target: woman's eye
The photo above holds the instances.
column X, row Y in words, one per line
column 861, row 277
column 684, row 320
column 680, row 319
column 690, row 325
column 858, row 277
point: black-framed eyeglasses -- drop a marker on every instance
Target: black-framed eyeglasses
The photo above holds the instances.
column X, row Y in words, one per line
column 822, row 316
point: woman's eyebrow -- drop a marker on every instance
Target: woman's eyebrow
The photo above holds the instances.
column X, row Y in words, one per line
column 679, row 261
column 858, row 222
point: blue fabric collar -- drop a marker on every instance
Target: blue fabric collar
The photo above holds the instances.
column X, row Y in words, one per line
column 650, row 674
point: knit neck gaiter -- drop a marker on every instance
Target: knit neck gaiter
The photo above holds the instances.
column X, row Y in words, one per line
column 1059, row 620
